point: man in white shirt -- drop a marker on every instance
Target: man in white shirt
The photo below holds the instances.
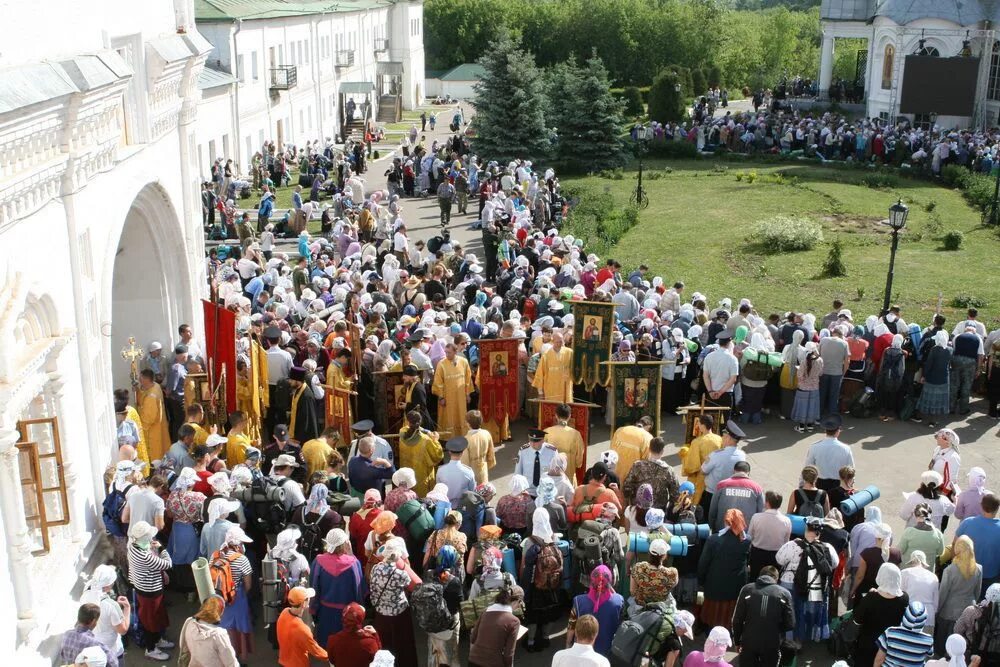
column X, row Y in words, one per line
column 581, row 653
column 720, row 371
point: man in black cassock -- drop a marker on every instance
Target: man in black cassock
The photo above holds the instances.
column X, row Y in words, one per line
column 304, row 422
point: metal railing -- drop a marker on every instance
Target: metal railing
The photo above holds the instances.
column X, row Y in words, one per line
column 345, row 58
column 284, row 78
column 381, row 44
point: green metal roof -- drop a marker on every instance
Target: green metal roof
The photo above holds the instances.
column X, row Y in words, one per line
column 230, row 10
column 466, row 72
column 213, row 78
column 434, row 73
column 356, row 87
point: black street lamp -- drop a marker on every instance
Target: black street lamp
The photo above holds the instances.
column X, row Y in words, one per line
column 897, row 220
column 639, row 198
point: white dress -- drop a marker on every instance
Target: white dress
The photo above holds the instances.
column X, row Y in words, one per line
column 922, row 586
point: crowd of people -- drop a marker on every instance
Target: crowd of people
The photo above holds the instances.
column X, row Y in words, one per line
column 346, row 548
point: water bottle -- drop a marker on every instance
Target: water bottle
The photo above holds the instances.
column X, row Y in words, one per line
column 646, row 661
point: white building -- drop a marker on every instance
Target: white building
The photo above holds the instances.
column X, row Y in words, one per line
column 100, row 231
column 296, row 64
column 458, row 83
column 897, row 28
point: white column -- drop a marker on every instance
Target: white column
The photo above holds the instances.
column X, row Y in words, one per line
column 16, row 531
column 826, row 66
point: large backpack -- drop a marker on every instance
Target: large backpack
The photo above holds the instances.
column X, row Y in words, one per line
column 111, row 512
column 987, row 635
column 429, row 608
column 548, row 567
column 590, row 550
column 311, row 542
column 642, row 633
column 473, row 509
column 265, row 499
column 818, row 554
column 809, row 507
column 418, row 521
column 756, row 370
column 474, row 607
column 220, row 568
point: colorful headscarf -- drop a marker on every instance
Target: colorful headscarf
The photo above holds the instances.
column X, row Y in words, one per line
column 317, row 500
column 654, row 518
column 487, row 491
column 644, row 496
column 372, row 498
column 964, row 557
column 492, row 563
column 353, row 617
column 490, row 532
column 546, row 491
column 737, row 523
column 609, row 512
column 715, row 646
column 601, row 586
column 447, row 556
column 384, row 522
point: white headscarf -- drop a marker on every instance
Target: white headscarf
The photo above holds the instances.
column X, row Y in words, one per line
column 104, row 576
column 889, row 580
column 941, row 338
column 286, row 543
column 221, row 507
column 541, row 527
column 897, row 341
column 185, row 480
column 955, row 646
column 880, row 329
column 519, row 484
column 883, row 531
column 790, row 355
column 977, row 478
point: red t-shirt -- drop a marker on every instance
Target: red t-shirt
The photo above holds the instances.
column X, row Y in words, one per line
column 202, row 485
column 603, row 276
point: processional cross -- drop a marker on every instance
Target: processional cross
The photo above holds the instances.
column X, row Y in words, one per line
column 131, row 354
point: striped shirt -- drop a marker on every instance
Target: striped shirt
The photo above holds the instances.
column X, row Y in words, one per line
column 145, row 568
column 904, row 647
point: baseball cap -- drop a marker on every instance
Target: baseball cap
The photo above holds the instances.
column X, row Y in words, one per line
column 299, row 594
column 658, row 548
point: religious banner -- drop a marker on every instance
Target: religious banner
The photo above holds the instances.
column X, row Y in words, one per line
column 389, row 395
column 579, row 419
column 593, row 324
column 498, row 378
column 635, row 392
column 220, row 349
column 338, row 412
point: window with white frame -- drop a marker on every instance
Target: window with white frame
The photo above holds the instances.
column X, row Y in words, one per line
column 993, row 85
column 240, row 70
column 254, row 72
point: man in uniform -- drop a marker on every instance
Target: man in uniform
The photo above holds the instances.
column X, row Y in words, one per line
column 569, row 441
column 452, row 386
column 554, row 376
column 720, row 464
column 631, row 443
column 382, row 448
column 153, row 415
column 534, row 458
column 454, row 474
column 279, row 365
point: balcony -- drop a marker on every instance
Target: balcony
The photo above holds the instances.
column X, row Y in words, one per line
column 284, row 78
column 345, row 58
column 381, row 45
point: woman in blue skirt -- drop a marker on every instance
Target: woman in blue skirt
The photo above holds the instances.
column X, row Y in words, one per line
column 184, row 506
column 805, row 411
column 236, row 618
column 934, row 396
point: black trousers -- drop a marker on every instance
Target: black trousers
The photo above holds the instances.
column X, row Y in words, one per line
column 750, row 657
column 760, row 558
column 724, row 401
column 827, row 485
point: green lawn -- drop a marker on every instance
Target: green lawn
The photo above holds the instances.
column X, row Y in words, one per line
column 700, row 214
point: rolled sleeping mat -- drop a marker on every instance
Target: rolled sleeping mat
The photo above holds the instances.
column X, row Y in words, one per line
column 567, row 553
column 591, row 548
column 270, row 589
column 509, row 564
column 774, row 359
column 202, row 579
column 689, row 530
column 639, row 543
column 798, row 525
column 859, row 500
column 692, row 346
column 591, row 526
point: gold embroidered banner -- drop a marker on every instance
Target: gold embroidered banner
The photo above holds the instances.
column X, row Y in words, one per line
column 635, row 392
column 389, row 394
column 499, row 378
column 593, row 324
column 338, row 412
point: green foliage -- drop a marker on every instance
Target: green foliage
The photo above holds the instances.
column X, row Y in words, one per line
column 978, row 189
column 633, row 101
column 845, row 58
column 665, row 104
column 599, row 220
column 587, row 117
column 880, row 180
column 953, row 240
column 673, row 149
column 968, row 301
column 714, row 74
column 834, row 266
column 510, row 104
column 930, row 206
column 699, row 82
column 782, row 233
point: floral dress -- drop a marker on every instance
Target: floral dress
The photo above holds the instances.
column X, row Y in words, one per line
column 185, row 508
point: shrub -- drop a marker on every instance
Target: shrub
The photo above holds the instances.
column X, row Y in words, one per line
column 834, row 267
column 953, row 240
column 785, row 234
column 633, row 101
column 968, row 301
column 751, row 176
column 376, row 155
column 665, row 103
column 880, row 180
column 930, row 206
column 673, row 149
column 860, row 294
column 739, row 176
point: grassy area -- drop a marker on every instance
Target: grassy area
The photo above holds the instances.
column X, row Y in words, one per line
column 700, row 213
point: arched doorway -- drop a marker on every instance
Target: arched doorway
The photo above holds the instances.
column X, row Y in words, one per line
column 151, row 282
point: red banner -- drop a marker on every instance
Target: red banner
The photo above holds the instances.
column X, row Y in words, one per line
column 338, row 412
column 579, row 419
column 220, row 348
column 499, row 373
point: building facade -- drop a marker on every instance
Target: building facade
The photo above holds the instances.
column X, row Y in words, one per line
column 295, row 65
column 897, row 28
column 101, row 237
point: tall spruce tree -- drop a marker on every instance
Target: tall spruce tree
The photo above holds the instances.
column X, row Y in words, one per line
column 510, row 104
column 589, row 122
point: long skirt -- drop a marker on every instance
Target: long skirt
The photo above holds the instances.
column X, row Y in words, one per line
column 183, row 544
column 236, row 619
column 812, row 619
column 935, row 399
column 806, row 408
column 442, row 647
column 543, row 606
column 396, row 633
column 787, row 401
column 718, row 612
column 153, row 617
column 753, row 399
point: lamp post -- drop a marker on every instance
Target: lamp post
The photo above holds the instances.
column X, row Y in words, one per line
column 897, row 220
column 639, row 198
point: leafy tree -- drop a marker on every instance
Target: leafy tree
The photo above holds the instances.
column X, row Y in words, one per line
column 590, row 126
column 714, row 74
column 633, row 101
column 665, row 102
column 510, row 104
column 699, row 82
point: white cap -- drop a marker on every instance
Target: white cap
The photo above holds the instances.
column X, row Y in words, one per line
column 153, row 347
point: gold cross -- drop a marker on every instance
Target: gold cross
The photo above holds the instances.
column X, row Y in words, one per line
column 132, row 353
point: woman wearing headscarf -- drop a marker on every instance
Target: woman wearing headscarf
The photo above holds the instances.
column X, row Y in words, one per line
column 316, row 519
column 338, row 580
column 889, row 384
column 185, row 508
column 921, row 585
column 489, row 541
column 514, row 507
column 713, row 654
column 871, row 560
column 602, row 602
column 969, row 501
column 879, row 609
column 935, row 399
column 722, row 569
column 403, row 480
column 419, row 450
column 961, row 584
column 361, row 524
column 356, row 644
column 541, row 605
column 286, row 550
column 380, row 535
column 947, row 462
column 953, row 651
column 115, row 616
column 923, row 535
column 237, row 618
column 449, row 535
column 838, row 538
column 217, row 525
column 929, row 493
column 789, row 372
column 493, row 640
column 442, row 646
column 390, row 580
column 881, row 341
column 557, row 471
column 806, row 410
column 546, row 498
column 979, row 624
column 202, row 641
column 147, row 565
column 635, row 514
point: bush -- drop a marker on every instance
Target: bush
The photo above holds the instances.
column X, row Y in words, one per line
column 968, row 301
column 785, row 234
column 699, row 82
column 880, row 180
column 376, row 155
column 930, row 206
column 953, row 240
column 714, row 74
column 977, row 189
column 633, row 101
column 834, row 267
column 665, row 104
column 673, row 149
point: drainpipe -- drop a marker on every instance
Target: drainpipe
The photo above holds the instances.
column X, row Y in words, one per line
column 234, row 109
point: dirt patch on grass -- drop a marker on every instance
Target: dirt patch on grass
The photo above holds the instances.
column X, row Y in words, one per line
column 854, row 224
